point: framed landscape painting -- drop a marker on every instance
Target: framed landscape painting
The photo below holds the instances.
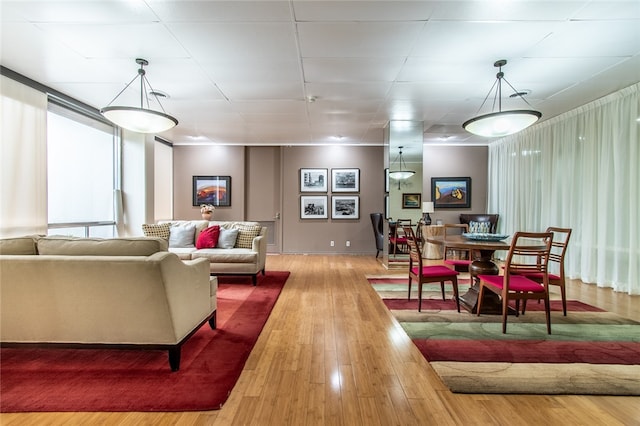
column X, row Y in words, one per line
column 451, row 192
column 345, row 207
column 313, row 207
column 411, row 201
column 313, row 180
column 214, row 190
column 345, row 180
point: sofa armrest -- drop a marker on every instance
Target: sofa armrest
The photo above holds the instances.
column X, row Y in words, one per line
column 260, row 245
column 188, row 291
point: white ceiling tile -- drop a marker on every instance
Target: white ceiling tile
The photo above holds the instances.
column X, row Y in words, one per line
column 357, row 39
column 221, row 11
column 211, row 41
column 147, row 40
column 584, row 38
column 321, row 70
column 345, row 91
column 319, row 11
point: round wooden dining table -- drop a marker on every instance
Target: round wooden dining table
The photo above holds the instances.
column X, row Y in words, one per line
column 483, row 264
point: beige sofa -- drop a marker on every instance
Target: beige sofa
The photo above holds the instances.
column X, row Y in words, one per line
column 247, row 259
column 88, row 293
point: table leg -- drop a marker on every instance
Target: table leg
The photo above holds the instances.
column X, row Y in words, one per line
column 491, row 303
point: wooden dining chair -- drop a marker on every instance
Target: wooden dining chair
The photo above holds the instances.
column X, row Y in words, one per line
column 460, row 265
column 556, row 264
column 398, row 237
column 427, row 274
column 528, row 254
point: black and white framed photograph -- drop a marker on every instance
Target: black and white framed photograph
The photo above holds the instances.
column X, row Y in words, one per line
column 313, row 207
column 345, row 180
column 386, row 180
column 314, row 180
column 345, row 207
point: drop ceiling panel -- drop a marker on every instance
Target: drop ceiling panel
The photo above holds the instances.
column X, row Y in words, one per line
column 337, row 70
column 212, row 42
column 348, row 91
column 480, row 41
column 221, row 11
column 309, row 11
column 570, row 40
column 146, row 40
column 357, row 39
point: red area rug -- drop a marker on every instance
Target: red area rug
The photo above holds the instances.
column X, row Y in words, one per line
column 128, row 380
column 590, row 351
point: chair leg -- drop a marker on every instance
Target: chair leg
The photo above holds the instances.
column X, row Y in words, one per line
column 454, row 281
column 563, row 292
column 442, row 289
column 547, row 312
column 480, row 297
column 505, row 314
column 419, row 297
column 409, row 293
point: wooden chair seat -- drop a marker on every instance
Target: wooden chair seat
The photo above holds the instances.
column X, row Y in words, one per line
column 428, row 274
column 528, row 254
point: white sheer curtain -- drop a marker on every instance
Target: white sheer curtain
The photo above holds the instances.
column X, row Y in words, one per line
column 23, row 159
column 580, row 171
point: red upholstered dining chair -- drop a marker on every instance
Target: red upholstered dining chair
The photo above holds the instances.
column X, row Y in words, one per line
column 427, row 274
column 528, row 254
column 460, row 265
column 556, row 264
column 398, row 237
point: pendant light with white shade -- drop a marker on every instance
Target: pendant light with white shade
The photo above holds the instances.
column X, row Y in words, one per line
column 501, row 123
column 140, row 119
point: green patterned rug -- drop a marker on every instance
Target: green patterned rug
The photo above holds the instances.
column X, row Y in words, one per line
column 590, row 351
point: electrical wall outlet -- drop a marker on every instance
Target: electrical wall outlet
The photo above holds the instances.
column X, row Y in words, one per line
column 332, row 243
column 348, row 243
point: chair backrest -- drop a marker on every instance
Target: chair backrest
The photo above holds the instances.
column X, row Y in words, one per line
column 455, row 229
column 378, row 229
column 400, row 225
column 559, row 247
column 528, row 254
column 415, row 255
column 474, row 217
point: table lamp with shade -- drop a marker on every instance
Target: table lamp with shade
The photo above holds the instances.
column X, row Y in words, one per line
column 427, row 207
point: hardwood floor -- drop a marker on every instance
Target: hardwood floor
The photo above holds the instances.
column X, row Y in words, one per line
column 331, row 354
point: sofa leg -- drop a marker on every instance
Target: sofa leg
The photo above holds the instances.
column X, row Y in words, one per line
column 174, row 358
column 212, row 321
column 254, row 279
column 263, row 272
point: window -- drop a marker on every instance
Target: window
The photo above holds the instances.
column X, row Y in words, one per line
column 82, row 170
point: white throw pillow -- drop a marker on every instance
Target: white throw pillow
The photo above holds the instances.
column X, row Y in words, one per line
column 227, row 238
column 182, row 235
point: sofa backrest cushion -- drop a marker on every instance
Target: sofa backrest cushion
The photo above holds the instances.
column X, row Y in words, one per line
column 72, row 246
column 19, row 245
column 227, row 238
column 208, row 238
column 182, row 235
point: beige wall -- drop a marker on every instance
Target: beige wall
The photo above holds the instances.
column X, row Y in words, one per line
column 457, row 161
column 189, row 161
column 281, row 166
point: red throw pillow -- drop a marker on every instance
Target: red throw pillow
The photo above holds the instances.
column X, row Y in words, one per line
column 208, row 238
